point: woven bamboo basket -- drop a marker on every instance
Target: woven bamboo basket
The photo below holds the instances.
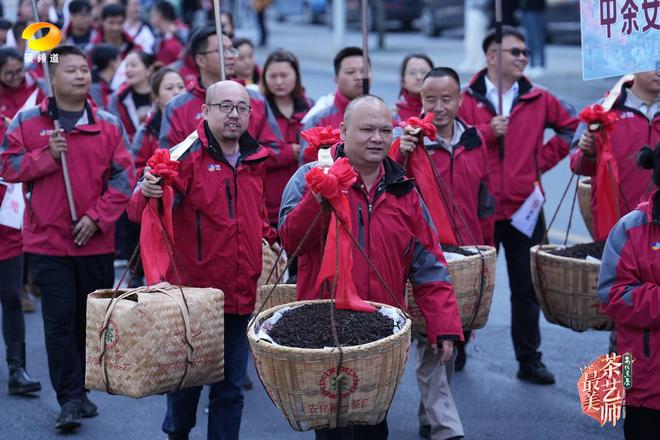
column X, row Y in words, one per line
column 303, row 383
column 584, row 199
column 283, row 294
column 473, row 304
column 268, row 259
column 136, row 344
column 566, row 289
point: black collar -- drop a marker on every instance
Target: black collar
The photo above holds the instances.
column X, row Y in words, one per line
column 247, row 146
column 53, row 111
column 655, row 208
column 479, row 85
column 300, row 105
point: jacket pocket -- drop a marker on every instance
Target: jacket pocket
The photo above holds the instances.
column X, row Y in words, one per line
column 360, row 225
column 198, row 225
column 230, row 206
column 647, row 343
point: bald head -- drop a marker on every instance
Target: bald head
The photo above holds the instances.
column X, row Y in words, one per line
column 371, row 102
column 219, row 91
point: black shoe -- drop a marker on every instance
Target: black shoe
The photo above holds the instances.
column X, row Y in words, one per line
column 88, row 408
column 535, row 372
column 425, row 431
column 461, row 358
column 21, row 383
column 69, row 418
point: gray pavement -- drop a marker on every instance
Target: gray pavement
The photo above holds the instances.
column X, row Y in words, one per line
column 491, row 401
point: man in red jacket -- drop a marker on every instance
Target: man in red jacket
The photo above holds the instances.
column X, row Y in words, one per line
column 219, row 220
column 349, row 72
column 68, row 261
column 112, row 31
column 184, row 113
column 393, row 228
column 517, row 158
column 460, row 159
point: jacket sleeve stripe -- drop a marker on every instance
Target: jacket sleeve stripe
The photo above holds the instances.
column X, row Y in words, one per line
column 426, row 268
column 293, row 192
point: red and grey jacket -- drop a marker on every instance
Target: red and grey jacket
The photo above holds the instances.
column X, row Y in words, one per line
column 11, row 100
column 393, row 229
column 332, row 115
column 282, row 163
column 170, row 46
column 407, row 106
column 632, row 131
column 469, row 203
column 121, row 104
column 126, row 48
column 102, row 177
column 11, row 242
column 629, row 291
column 525, row 157
column 145, row 141
column 187, row 68
column 219, row 218
column 100, row 91
column 184, row 112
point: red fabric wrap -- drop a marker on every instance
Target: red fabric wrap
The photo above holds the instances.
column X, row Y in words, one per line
column 420, row 163
column 317, row 138
column 607, row 173
column 154, row 240
column 333, row 187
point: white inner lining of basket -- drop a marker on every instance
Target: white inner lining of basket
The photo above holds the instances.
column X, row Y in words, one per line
column 450, row 256
column 390, row 312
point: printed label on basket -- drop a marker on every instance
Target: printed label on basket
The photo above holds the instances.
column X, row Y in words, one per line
column 111, row 335
column 602, row 387
column 331, row 408
column 345, row 382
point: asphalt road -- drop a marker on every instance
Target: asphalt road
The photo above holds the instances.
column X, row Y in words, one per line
column 491, row 401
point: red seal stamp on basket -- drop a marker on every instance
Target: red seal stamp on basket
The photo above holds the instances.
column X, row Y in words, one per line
column 345, row 382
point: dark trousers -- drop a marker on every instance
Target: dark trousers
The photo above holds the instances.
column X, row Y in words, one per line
column 225, row 398
column 263, row 32
column 534, row 23
column 11, row 280
column 65, row 283
column 369, row 432
column 524, row 305
column 641, row 423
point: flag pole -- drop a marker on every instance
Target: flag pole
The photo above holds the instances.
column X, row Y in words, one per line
column 365, row 48
column 500, row 82
column 56, row 123
column 221, row 47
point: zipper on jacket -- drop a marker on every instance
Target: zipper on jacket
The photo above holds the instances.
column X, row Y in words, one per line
column 198, row 223
column 31, row 192
column 230, row 206
column 647, row 345
column 361, row 225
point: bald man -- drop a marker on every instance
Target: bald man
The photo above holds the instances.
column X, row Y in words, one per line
column 218, row 240
column 393, row 227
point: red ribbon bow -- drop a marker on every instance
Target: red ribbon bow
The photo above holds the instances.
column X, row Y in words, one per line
column 333, row 187
column 607, row 194
column 317, row 138
column 157, row 234
column 420, row 166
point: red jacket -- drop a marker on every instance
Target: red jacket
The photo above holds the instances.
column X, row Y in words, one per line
column 11, row 242
column 145, row 142
column 393, row 228
column 331, row 115
column 187, row 68
column 629, row 291
column 101, row 171
column 408, row 105
column 470, row 204
column 121, row 104
column 100, row 91
column 282, row 163
column 632, row 131
column 525, row 156
column 219, row 219
column 11, row 100
column 170, row 47
column 126, row 48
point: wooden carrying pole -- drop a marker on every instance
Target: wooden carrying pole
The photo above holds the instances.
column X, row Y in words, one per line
column 500, row 82
column 218, row 28
column 365, row 48
column 56, row 123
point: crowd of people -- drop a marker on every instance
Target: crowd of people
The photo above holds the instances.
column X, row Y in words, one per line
column 124, row 87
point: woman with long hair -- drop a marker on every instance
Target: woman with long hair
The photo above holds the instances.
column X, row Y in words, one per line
column 413, row 70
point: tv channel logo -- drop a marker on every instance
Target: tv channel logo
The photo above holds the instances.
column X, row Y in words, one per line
column 45, row 43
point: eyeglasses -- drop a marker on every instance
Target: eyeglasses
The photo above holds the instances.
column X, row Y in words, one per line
column 517, row 52
column 228, row 107
column 231, row 52
column 12, row 74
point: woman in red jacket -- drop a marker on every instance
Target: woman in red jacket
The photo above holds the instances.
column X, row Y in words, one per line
column 16, row 86
column 165, row 84
column 287, row 105
column 629, row 289
column 413, row 70
column 132, row 101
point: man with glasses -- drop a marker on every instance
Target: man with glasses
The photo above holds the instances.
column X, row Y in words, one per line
column 183, row 113
column 517, row 156
column 219, row 218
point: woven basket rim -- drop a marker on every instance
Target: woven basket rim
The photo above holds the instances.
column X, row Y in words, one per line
column 559, row 258
column 485, row 251
column 350, row 349
column 585, row 183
